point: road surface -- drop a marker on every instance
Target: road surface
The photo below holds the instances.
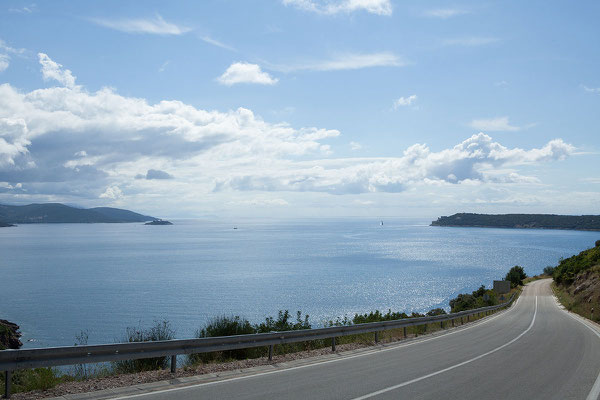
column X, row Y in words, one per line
column 535, row 350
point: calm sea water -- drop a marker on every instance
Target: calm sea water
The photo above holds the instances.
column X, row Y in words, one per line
column 57, row 280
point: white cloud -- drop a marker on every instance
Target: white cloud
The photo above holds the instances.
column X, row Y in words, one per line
column 590, row 89
column 494, row 124
column 155, row 26
column 5, row 50
column 445, row 13
column 164, row 66
column 347, row 61
column 246, row 73
column 112, row 193
column 472, row 41
column 24, row 10
column 4, row 62
column 405, row 101
column 214, row 42
column 53, row 70
column 68, row 144
column 355, row 146
column 379, row 7
column 475, row 160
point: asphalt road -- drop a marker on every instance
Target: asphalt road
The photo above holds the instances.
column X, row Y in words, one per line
column 535, row 350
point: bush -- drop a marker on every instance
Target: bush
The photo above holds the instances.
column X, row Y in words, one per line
column 436, row 311
column 224, row 326
column 27, row 380
column 476, row 299
column 160, row 331
column 597, row 243
column 516, row 276
column 568, row 268
column 283, row 323
column 377, row 316
column 549, row 270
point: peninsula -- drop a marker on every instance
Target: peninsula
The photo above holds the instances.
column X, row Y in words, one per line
column 59, row 213
column 523, row 221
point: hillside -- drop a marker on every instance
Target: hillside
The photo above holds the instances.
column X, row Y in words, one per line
column 60, row 213
column 530, row 221
column 577, row 280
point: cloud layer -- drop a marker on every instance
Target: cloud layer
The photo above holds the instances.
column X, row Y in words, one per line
column 64, row 143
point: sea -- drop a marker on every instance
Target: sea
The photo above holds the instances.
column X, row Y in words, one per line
column 57, row 280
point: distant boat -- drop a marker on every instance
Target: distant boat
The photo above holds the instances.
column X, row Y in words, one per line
column 235, row 227
column 381, row 223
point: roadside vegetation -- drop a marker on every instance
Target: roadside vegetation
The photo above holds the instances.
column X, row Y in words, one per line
column 577, row 283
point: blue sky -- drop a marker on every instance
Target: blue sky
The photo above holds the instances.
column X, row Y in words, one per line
column 301, row 107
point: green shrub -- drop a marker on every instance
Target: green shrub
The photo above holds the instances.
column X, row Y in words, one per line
column 516, row 276
column 161, row 330
column 224, row 326
column 568, row 268
column 27, row 380
column 479, row 298
column 549, row 270
column 377, row 316
column 283, row 323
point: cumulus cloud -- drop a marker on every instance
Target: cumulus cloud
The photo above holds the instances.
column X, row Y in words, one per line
column 378, row 7
column 67, row 144
column 156, row 25
column 240, row 72
column 55, row 71
column 494, row 124
column 112, row 193
column 474, row 160
column 405, row 101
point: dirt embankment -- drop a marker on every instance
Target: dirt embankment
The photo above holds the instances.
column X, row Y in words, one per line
column 583, row 294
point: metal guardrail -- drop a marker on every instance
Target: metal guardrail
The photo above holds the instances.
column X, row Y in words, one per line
column 11, row 360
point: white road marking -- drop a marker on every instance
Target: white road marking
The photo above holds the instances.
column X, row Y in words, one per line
column 389, row 389
column 343, row 358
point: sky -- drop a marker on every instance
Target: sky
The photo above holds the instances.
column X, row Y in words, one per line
column 302, row 108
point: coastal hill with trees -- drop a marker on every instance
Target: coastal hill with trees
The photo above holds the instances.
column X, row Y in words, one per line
column 529, row 221
column 60, row 213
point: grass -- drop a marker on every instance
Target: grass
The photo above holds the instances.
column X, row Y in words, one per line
column 573, row 303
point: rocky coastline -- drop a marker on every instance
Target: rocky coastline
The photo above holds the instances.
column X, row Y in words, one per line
column 9, row 335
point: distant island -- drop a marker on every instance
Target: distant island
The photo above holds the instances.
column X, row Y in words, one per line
column 59, row 213
column 5, row 224
column 159, row 222
column 523, row 221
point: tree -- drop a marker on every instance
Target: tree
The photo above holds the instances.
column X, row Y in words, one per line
column 516, row 276
column 597, row 243
column 549, row 270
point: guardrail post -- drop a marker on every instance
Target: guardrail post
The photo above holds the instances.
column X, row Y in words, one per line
column 461, row 321
column 453, row 322
column 333, row 344
column 404, row 331
column 271, row 352
column 173, row 364
column 468, row 318
column 7, row 384
column 376, row 337
column 442, row 324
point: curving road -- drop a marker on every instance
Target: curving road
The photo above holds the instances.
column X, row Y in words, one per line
column 535, row 350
